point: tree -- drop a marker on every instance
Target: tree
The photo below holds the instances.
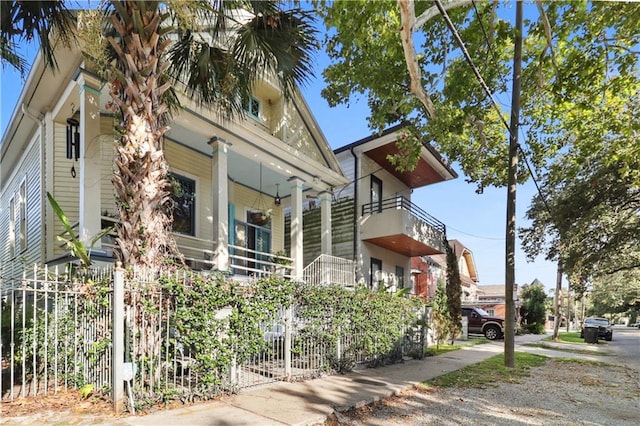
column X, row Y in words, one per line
column 26, row 21
column 216, row 51
column 533, row 309
column 564, row 48
column 440, row 320
column 591, row 209
column 454, row 293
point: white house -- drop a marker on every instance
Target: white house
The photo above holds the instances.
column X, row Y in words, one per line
column 271, row 160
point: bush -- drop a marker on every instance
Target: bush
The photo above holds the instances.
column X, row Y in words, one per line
column 536, row 328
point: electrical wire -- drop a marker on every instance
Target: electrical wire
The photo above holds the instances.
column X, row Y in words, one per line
column 489, row 94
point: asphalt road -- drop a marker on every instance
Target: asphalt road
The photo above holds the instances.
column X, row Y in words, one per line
column 626, row 346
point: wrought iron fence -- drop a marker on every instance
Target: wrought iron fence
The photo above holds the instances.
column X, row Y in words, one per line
column 60, row 332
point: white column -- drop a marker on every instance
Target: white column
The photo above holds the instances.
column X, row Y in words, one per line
column 297, row 243
column 325, row 223
column 220, row 203
column 90, row 158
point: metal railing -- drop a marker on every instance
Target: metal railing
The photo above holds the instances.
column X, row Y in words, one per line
column 327, row 269
column 58, row 333
column 402, row 203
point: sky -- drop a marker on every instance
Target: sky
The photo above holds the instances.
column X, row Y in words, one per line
column 478, row 221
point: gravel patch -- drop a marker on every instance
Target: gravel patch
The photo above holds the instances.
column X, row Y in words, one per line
column 557, row 393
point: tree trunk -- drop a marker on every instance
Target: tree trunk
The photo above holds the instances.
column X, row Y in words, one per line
column 509, row 321
column 144, row 234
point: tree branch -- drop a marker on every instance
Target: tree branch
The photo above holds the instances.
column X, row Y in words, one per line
column 408, row 20
column 433, row 11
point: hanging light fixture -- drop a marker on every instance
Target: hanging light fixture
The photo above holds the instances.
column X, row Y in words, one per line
column 276, row 199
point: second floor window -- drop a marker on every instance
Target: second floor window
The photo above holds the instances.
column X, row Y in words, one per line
column 22, row 200
column 184, row 204
column 12, row 227
column 252, row 107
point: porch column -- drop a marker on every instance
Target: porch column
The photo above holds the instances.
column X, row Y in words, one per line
column 297, row 246
column 220, row 203
column 90, row 157
column 325, row 222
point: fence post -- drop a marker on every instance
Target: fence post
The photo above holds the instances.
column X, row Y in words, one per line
column 287, row 341
column 117, row 371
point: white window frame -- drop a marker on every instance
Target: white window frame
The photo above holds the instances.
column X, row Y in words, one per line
column 250, row 109
column 12, row 227
column 23, row 215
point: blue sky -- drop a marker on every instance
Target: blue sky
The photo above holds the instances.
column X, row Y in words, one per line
column 477, row 220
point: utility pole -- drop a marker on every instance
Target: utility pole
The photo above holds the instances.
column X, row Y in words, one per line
column 509, row 334
column 557, row 301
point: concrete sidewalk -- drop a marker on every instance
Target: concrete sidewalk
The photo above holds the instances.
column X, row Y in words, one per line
column 311, row 402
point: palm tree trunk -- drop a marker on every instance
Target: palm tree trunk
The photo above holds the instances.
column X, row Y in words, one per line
column 140, row 178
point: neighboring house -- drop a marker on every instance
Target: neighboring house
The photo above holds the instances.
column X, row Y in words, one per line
column 375, row 222
column 427, row 271
column 491, row 298
column 223, row 173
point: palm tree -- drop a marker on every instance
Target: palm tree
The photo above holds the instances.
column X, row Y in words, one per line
column 24, row 21
column 215, row 51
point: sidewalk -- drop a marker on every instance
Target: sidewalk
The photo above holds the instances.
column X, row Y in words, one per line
column 311, row 402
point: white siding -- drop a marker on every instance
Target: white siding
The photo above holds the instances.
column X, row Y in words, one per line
column 28, row 172
column 66, row 188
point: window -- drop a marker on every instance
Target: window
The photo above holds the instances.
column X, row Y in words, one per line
column 12, row 227
column 376, row 195
column 490, row 311
column 184, row 204
column 376, row 273
column 252, row 106
column 23, row 216
column 399, row 277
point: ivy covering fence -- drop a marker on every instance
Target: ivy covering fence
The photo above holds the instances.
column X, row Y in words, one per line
column 190, row 336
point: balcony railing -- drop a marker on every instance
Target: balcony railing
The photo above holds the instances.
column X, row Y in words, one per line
column 402, row 203
column 198, row 253
column 326, row 269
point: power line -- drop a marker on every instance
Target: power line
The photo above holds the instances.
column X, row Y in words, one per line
column 489, row 94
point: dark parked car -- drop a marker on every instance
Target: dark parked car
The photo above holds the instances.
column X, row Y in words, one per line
column 605, row 329
column 480, row 322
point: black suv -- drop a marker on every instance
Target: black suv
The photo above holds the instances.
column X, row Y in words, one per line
column 605, row 329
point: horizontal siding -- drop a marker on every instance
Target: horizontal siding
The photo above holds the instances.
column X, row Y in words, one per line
column 66, row 188
column 29, row 172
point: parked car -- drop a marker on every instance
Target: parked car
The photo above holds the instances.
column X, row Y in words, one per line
column 635, row 325
column 605, row 329
column 480, row 322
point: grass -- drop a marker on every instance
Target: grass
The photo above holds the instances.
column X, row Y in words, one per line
column 443, row 348
column 570, row 337
column 560, row 348
column 489, row 372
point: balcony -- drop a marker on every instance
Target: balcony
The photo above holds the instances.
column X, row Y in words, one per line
column 402, row 227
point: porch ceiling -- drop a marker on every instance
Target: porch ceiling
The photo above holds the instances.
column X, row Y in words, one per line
column 424, row 173
column 246, row 159
column 403, row 244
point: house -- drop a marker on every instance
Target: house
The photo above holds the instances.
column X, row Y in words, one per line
column 224, row 173
column 428, row 271
column 491, row 298
column 374, row 221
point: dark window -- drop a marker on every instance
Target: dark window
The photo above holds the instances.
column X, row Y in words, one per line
column 184, row 204
column 376, row 195
column 252, row 106
column 400, row 276
column 376, row 273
